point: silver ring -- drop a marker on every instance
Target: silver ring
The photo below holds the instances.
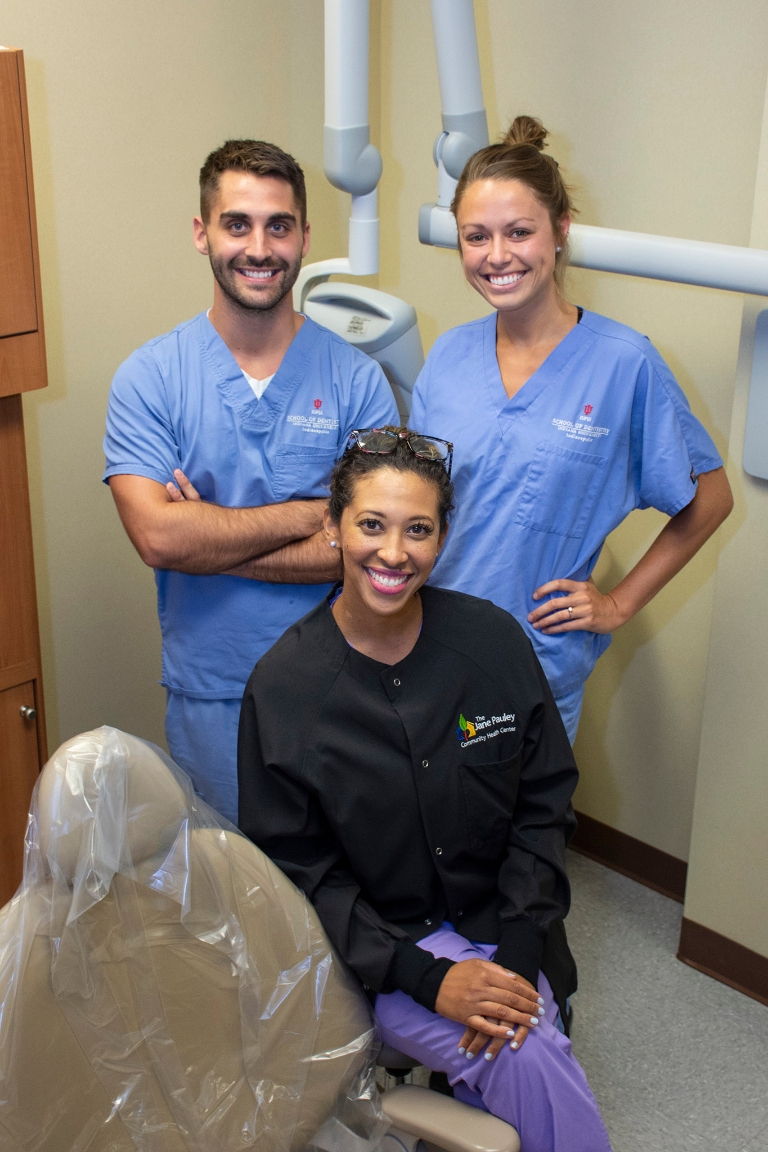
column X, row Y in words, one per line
column 570, row 612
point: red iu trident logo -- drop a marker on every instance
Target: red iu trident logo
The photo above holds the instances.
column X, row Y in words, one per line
column 587, row 409
column 319, row 404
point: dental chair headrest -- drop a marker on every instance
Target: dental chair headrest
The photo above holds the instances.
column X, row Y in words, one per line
column 107, row 802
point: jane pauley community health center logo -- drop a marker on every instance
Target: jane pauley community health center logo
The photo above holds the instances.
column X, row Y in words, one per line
column 470, row 732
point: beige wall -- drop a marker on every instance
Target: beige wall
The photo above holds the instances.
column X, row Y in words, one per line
column 727, row 888
column 655, row 112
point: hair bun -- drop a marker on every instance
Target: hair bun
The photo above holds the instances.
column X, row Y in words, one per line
column 526, row 130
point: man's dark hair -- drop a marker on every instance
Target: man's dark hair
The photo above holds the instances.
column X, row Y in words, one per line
column 254, row 156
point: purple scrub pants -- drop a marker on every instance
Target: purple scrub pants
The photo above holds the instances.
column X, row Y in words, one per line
column 540, row 1089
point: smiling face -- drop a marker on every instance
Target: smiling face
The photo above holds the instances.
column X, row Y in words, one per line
column 389, row 537
column 254, row 238
column 508, row 244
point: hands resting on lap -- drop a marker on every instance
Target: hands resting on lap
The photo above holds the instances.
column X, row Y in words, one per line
column 492, row 1003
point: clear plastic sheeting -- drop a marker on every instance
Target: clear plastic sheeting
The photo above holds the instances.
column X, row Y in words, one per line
column 163, row 986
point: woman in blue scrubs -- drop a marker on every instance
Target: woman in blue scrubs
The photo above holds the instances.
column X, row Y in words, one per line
column 563, row 422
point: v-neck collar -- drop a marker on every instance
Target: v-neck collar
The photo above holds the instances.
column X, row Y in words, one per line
column 545, row 374
column 253, row 413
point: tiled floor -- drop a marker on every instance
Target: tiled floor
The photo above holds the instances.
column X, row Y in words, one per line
column 678, row 1062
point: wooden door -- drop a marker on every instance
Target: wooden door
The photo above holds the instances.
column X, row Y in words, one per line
column 19, row 766
column 18, row 306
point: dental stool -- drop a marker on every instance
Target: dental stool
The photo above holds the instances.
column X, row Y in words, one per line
column 420, row 1117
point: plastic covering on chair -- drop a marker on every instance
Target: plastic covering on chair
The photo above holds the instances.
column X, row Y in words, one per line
column 163, row 986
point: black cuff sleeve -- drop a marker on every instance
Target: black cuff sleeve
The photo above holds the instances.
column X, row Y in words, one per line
column 417, row 973
column 520, row 948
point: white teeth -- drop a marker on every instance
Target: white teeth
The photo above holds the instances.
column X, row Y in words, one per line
column 511, row 279
column 257, row 273
column 387, row 581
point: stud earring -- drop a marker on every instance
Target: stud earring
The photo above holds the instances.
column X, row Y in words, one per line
column 558, row 249
column 333, row 543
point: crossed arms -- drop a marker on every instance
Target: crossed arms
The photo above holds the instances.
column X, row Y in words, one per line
column 171, row 527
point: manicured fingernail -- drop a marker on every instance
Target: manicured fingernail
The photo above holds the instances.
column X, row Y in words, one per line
column 470, row 1055
column 514, row 1044
column 463, row 1050
column 534, row 1019
column 541, row 1011
column 489, row 1055
column 540, row 999
column 510, row 1033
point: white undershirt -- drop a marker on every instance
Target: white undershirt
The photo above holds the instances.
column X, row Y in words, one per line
column 259, row 386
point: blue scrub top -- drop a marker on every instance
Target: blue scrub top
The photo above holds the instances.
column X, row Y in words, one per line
column 182, row 401
column 600, row 429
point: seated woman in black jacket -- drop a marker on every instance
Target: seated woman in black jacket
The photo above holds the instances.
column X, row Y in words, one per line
column 402, row 759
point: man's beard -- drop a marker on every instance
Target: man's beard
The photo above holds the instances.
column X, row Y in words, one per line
column 268, row 298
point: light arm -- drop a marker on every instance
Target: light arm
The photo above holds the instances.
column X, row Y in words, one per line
column 465, row 127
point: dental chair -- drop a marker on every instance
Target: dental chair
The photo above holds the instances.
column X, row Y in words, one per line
column 165, row 988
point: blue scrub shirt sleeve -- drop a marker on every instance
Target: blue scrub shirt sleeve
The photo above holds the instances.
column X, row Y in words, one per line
column 418, row 408
column 140, row 440
column 670, row 447
column 372, row 402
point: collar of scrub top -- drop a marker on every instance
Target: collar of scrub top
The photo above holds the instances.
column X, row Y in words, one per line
column 554, row 369
column 259, row 415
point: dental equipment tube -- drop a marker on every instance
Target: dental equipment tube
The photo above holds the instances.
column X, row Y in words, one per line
column 465, row 127
column 352, row 163
column 698, row 262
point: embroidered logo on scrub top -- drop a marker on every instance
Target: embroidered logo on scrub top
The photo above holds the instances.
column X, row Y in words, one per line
column 477, row 732
column 314, row 423
column 583, row 430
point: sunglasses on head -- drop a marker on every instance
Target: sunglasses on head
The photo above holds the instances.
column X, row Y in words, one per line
column 380, row 442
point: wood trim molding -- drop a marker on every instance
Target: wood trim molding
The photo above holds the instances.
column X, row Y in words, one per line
column 631, row 857
column 18, row 674
column 724, row 959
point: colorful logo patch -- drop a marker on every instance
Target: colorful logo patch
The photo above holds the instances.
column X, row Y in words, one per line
column 466, row 729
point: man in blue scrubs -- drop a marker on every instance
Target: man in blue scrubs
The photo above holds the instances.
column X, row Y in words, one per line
column 220, row 440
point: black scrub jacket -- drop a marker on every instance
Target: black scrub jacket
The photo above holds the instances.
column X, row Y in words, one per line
column 398, row 796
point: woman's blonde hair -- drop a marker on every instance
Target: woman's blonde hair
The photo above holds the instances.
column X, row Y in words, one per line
column 520, row 156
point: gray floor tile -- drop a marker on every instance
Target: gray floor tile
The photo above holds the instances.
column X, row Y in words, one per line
column 675, row 1059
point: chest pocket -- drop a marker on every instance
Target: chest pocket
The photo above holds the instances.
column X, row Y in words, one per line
column 301, row 471
column 560, row 490
column 490, row 792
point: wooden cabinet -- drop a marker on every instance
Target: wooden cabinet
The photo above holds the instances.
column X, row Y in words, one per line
column 22, row 368
column 18, row 771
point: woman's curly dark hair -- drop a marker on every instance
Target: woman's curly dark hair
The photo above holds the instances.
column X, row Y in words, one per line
column 356, row 463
